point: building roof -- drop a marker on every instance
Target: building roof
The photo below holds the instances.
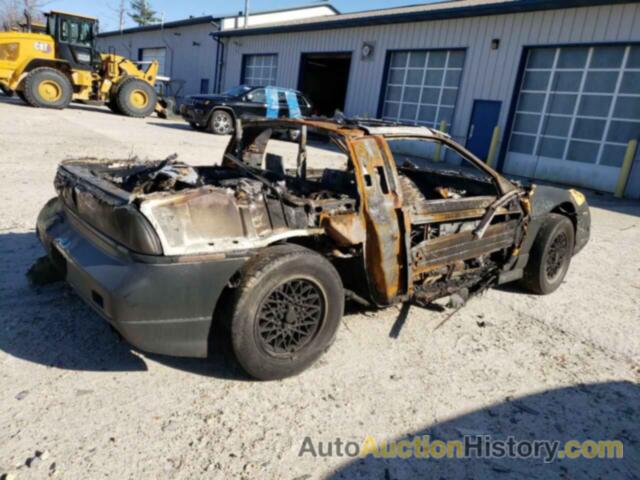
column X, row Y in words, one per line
column 415, row 13
column 167, row 25
column 186, row 22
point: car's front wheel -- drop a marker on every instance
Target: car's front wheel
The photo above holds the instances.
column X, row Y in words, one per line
column 550, row 255
column 286, row 312
column 221, row 122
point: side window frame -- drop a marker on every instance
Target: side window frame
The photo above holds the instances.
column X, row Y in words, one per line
column 258, row 91
column 466, row 156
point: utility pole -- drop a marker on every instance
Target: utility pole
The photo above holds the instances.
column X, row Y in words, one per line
column 122, row 14
column 246, row 13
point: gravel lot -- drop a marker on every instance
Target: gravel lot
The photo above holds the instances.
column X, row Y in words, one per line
column 78, row 403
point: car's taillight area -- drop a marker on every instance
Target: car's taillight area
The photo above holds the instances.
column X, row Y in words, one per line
column 117, row 220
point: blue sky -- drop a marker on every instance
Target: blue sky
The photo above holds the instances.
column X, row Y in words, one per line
column 176, row 10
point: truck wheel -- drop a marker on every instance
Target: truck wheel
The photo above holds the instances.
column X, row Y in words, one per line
column 136, row 98
column 286, row 312
column 113, row 106
column 47, row 88
column 221, row 122
column 550, row 256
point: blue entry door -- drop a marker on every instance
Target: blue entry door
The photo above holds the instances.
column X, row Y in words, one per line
column 483, row 121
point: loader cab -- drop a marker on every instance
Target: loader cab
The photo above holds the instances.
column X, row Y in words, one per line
column 75, row 38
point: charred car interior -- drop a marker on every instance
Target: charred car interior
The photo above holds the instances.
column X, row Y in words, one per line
column 266, row 246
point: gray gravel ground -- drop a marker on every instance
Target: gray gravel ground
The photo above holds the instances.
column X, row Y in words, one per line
column 78, row 403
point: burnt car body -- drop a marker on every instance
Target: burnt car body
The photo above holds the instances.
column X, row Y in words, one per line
column 218, row 113
column 163, row 250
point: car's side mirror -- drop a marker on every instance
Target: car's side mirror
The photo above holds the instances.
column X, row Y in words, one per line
column 248, row 97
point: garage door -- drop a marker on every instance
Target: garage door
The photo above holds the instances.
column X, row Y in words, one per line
column 159, row 54
column 422, row 86
column 577, row 110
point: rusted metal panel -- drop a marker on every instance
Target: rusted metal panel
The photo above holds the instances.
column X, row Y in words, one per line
column 380, row 198
column 346, row 230
column 434, row 253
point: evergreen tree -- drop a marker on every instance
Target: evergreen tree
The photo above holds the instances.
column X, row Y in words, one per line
column 142, row 13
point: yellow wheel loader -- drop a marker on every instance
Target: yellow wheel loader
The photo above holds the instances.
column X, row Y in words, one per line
column 52, row 69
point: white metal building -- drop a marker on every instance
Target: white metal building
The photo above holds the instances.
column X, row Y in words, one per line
column 560, row 78
column 185, row 49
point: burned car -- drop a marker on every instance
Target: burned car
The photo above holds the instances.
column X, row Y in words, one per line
column 266, row 249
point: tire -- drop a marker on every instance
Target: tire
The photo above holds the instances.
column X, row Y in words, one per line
column 47, row 87
column 265, row 305
column 221, row 122
column 112, row 103
column 136, row 98
column 550, row 255
column 113, row 106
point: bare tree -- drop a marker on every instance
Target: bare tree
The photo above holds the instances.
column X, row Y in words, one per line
column 12, row 12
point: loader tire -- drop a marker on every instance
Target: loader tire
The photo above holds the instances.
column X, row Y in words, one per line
column 113, row 106
column 46, row 87
column 136, row 98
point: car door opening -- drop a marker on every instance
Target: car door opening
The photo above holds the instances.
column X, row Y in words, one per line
column 324, row 77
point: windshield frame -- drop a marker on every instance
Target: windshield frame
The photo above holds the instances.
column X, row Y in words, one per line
column 78, row 31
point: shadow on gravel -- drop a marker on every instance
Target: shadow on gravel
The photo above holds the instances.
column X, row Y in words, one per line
column 90, row 108
column 607, row 411
column 11, row 100
column 52, row 326
column 176, row 125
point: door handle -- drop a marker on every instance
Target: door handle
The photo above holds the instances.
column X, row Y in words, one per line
column 471, row 130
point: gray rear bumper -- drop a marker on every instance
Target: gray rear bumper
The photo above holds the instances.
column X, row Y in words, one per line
column 158, row 304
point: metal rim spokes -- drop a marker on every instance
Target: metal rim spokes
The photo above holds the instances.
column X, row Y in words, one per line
column 290, row 316
column 556, row 256
column 221, row 123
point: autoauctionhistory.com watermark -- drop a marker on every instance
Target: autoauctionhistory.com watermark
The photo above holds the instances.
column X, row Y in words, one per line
column 468, row 446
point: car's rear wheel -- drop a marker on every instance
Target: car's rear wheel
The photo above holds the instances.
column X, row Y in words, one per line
column 550, row 255
column 221, row 122
column 286, row 312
